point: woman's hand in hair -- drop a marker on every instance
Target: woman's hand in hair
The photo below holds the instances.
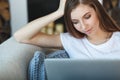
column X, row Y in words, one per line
column 61, row 6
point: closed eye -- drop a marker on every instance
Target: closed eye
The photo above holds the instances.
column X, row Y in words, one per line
column 87, row 16
column 75, row 22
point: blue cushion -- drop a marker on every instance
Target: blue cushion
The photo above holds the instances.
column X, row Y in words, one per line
column 36, row 68
column 58, row 54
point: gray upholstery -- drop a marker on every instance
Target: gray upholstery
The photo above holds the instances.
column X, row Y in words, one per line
column 14, row 59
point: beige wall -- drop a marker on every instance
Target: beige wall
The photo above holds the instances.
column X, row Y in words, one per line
column 101, row 1
column 18, row 12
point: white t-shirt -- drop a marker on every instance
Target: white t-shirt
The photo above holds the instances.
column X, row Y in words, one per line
column 83, row 49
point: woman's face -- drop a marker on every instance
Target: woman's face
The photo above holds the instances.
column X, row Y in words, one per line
column 85, row 20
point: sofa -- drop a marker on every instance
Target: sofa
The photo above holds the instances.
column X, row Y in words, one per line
column 15, row 58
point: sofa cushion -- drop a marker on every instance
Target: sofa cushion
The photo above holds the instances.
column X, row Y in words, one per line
column 36, row 67
column 14, row 59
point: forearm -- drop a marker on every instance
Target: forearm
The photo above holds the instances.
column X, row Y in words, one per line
column 34, row 27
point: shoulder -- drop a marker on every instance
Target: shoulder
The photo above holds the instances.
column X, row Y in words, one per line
column 65, row 34
column 67, row 38
column 116, row 35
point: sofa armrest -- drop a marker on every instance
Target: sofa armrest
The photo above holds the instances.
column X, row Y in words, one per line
column 14, row 59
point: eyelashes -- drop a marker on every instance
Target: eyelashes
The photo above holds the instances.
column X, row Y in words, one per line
column 87, row 16
column 75, row 22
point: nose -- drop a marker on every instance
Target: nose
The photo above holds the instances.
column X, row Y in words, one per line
column 83, row 26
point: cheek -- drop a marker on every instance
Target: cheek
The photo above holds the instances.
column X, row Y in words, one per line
column 78, row 28
column 93, row 22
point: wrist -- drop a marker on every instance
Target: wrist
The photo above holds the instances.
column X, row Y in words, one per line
column 60, row 13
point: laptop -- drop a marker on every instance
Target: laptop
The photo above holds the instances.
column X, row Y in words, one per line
column 77, row 69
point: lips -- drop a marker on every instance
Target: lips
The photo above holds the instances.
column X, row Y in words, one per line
column 88, row 31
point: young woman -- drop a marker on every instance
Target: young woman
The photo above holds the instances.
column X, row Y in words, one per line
column 92, row 34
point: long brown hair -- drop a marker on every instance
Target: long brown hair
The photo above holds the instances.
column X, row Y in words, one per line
column 106, row 22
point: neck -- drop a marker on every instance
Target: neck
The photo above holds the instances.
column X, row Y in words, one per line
column 100, row 38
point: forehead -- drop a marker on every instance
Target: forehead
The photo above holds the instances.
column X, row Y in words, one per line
column 81, row 10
